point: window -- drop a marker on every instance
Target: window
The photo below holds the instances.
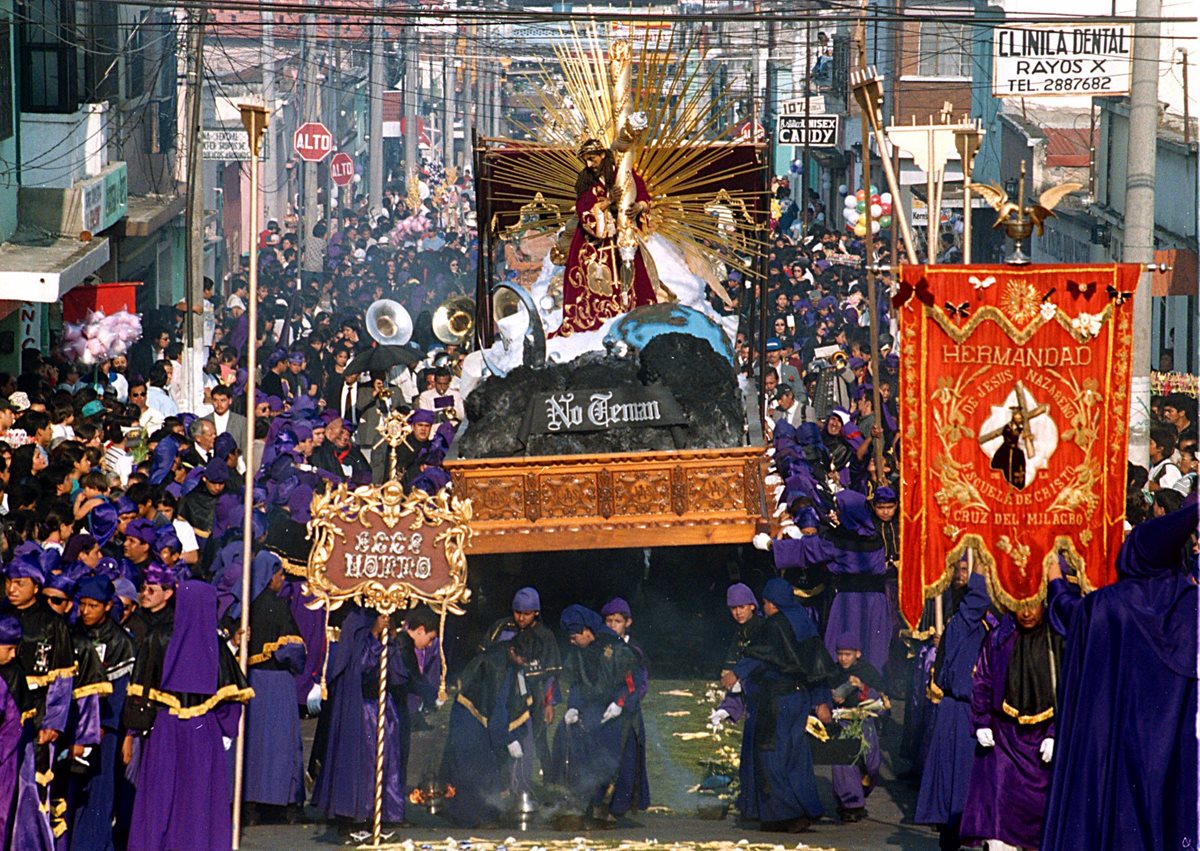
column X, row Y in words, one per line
column 944, row 49
column 48, row 56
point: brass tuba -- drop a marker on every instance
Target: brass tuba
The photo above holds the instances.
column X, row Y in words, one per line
column 454, row 320
column 388, row 323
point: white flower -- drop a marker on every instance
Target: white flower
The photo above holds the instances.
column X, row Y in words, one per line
column 1048, row 310
column 1087, row 324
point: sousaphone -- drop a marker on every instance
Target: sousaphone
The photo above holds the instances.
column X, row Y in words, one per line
column 454, row 320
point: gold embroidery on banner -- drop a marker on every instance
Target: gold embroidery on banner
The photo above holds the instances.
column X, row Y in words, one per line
column 950, row 426
column 1019, row 553
column 1019, row 335
column 1020, row 301
column 1084, row 411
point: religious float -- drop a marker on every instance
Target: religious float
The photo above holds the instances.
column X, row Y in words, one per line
column 603, row 406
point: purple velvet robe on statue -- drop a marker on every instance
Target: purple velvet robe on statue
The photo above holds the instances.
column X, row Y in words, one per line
column 1124, row 769
column 1006, row 798
column 952, row 743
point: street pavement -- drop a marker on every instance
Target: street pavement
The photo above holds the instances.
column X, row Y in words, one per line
column 887, row 826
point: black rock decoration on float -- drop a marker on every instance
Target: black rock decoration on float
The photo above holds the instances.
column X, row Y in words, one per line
column 676, row 393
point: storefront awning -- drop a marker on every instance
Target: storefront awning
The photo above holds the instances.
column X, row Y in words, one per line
column 149, row 213
column 44, row 272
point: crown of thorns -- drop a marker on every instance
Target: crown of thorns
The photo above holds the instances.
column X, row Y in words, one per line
column 591, row 146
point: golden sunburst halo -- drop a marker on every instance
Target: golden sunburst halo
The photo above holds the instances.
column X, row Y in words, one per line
column 679, row 157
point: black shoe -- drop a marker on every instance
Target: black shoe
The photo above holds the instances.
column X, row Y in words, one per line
column 852, row 814
column 798, row 825
column 250, row 815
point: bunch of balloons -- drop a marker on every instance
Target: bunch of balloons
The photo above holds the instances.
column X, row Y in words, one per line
column 857, row 204
column 100, row 337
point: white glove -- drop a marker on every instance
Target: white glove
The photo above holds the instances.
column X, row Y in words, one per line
column 792, row 531
column 314, row 699
column 985, row 737
column 439, row 703
column 514, row 750
column 226, row 742
column 773, row 479
column 717, row 717
column 1047, row 750
column 761, row 541
column 571, row 716
column 613, row 711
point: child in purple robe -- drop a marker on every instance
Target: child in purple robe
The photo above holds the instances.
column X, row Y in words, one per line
column 590, row 746
column 743, row 608
column 855, row 683
column 1012, row 708
column 22, row 823
column 94, row 788
column 632, row 787
column 184, row 701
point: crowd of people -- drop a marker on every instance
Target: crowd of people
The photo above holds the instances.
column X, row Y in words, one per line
column 122, row 545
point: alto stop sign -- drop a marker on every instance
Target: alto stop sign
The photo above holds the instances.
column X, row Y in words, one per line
column 341, row 169
column 313, row 141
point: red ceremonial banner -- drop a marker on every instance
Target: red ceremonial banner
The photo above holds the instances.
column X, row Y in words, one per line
column 1014, row 404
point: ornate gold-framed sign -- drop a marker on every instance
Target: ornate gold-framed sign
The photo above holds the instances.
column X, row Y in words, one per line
column 389, row 550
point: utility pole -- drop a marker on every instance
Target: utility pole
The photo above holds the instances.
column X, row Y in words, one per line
column 448, row 86
column 273, row 208
column 193, row 328
column 412, row 81
column 310, row 69
column 1139, row 214
column 375, row 99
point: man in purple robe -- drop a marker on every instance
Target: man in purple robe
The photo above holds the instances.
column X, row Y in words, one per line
column 1012, row 709
column 345, row 788
column 784, row 673
column 854, row 555
column 184, row 700
column 94, row 790
column 1124, row 771
column 952, row 742
column 274, row 775
column 22, row 823
column 46, row 656
column 489, row 749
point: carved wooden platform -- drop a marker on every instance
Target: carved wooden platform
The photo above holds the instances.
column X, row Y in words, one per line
column 644, row 499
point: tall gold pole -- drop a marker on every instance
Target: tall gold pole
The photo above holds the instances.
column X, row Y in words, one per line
column 868, row 92
column 380, row 729
column 254, row 119
column 621, row 65
column 867, row 108
column 968, row 145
